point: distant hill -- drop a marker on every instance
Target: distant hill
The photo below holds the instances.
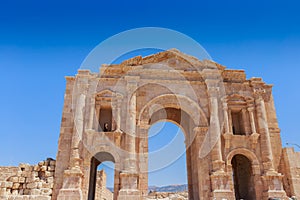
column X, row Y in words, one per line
column 167, row 188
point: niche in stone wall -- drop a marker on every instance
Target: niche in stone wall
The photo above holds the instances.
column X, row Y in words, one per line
column 237, row 122
column 104, row 110
column 105, row 119
column 239, row 119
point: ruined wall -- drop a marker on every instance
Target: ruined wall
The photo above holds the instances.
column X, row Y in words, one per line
column 6, row 172
column 34, row 182
column 102, row 193
column 290, row 168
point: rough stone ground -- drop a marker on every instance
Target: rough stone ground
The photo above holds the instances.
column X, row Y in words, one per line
column 167, row 196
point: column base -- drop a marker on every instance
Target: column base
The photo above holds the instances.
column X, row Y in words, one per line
column 222, row 186
column 71, row 186
column 222, row 195
column 273, row 186
column 218, row 166
column 129, row 188
column 129, row 194
column 69, row 194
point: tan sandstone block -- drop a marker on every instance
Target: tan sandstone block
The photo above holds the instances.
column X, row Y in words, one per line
column 32, row 185
column 15, row 192
column 16, row 186
column 46, row 191
column 41, row 163
column 35, row 192
column 51, row 168
column 14, row 179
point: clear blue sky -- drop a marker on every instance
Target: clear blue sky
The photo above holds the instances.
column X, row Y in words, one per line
column 41, row 42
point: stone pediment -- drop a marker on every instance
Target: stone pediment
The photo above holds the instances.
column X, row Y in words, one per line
column 171, row 59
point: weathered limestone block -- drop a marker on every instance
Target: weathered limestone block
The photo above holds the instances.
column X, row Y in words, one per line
column 49, row 173
column 51, row 168
column 35, row 192
column 14, row 179
column 22, row 179
column 2, row 191
column 32, row 185
column 8, row 191
column 46, row 191
column 50, row 179
column 14, row 192
column 26, row 191
column 16, row 186
column 43, row 168
column 52, row 163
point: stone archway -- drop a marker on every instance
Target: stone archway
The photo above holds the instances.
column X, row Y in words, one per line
column 187, row 115
column 95, row 162
column 243, row 178
column 168, row 86
column 245, row 165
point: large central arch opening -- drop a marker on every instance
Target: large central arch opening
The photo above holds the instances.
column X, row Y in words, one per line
column 167, row 157
column 169, row 148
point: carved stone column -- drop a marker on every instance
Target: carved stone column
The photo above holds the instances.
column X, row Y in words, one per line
column 129, row 177
column 97, row 123
column 131, row 121
column 254, row 135
column 73, row 176
column 245, row 122
column 118, row 117
column 228, row 131
column 252, row 121
column 143, row 158
column 226, row 119
column 230, row 121
column 214, row 129
column 92, row 113
column 272, row 180
column 219, row 178
column 267, row 155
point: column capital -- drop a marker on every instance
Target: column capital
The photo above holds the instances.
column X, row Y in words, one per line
column 251, row 108
column 213, row 91
column 259, row 92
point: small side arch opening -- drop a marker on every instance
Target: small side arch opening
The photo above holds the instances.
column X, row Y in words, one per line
column 98, row 176
column 243, row 178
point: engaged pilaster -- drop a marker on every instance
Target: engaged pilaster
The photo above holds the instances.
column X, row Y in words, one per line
column 228, row 130
column 131, row 121
column 264, row 131
column 212, row 79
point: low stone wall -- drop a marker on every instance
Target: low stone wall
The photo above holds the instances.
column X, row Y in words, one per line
column 6, row 172
column 27, row 182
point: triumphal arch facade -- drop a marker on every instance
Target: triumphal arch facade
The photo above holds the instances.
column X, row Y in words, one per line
column 232, row 138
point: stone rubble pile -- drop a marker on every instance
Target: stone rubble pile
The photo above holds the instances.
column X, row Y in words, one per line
column 167, row 196
column 30, row 182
